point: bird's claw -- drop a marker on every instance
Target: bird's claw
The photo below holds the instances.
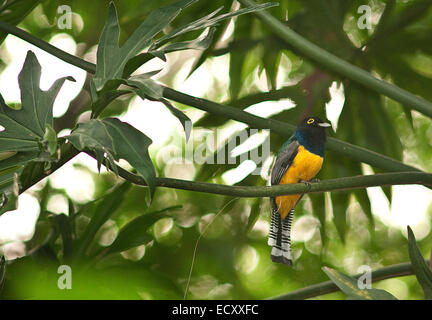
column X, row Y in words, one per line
column 309, row 183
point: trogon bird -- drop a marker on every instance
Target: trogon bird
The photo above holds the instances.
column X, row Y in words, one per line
column 299, row 160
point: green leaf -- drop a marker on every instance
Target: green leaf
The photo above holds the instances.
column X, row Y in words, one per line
column 364, row 201
column 349, row 286
column 237, row 59
column 135, row 233
column 2, row 272
column 216, row 38
column 137, row 61
column 14, row 11
column 184, row 119
column 101, row 101
column 50, row 10
column 25, row 128
column 145, row 87
column 93, row 135
column 319, row 210
column 63, row 224
column 209, row 21
column 18, row 160
column 201, row 43
column 421, row 269
column 103, row 210
column 9, row 193
column 340, row 201
column 254, row 215
column 111, row 59
column 10, row 169
column 7, row 155
column 117, row 140
column 132, row 145
column 270, row 63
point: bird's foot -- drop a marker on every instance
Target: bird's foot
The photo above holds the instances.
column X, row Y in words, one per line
column 307, row 183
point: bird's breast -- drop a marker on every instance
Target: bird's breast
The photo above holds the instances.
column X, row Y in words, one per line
column 305, row 167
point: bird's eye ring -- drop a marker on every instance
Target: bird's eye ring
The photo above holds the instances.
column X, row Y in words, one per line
column 310, row 121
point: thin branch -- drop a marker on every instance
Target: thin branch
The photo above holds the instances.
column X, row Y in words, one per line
column 346, row 183
column 76, row 61
column 67, row 152
column 340, row 66
column 337, row 184
column 397, row 270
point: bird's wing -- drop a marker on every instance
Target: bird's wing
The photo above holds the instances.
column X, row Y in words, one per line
column 284, row 161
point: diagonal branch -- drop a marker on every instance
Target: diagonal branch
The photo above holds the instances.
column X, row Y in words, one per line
column 338, row 184
column 284, row 129
column 69, row 58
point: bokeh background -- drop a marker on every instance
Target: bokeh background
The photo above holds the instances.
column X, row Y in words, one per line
column 250, row 68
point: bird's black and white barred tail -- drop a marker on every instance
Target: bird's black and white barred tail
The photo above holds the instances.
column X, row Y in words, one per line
column 279, row 237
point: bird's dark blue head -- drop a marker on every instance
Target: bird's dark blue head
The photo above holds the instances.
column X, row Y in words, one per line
column 311, row 134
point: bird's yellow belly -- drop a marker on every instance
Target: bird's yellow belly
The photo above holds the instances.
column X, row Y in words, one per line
column 305, row 167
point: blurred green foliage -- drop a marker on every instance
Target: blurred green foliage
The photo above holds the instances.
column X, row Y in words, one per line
column 232, row 257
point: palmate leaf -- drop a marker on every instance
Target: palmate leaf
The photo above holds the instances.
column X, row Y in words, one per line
column 111, row 59
column 349, row 286
column 27, row 132
column 24, row 129
column 115, row 140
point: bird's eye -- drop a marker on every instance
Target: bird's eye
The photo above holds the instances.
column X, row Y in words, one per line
column 310, row 121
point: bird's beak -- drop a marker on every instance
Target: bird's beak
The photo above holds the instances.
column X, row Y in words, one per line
column 324, row 124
